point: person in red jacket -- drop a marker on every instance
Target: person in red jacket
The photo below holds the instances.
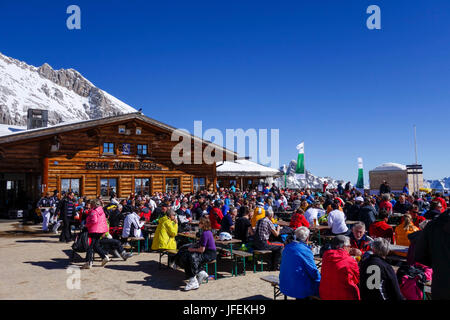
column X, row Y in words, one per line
column 324, row 186
column 298, row 220
column 216, row 216
column 145, row 213
column 442, row 201
column 340, row 272
column 359, row 241
column 380, row 228
column 385, row 203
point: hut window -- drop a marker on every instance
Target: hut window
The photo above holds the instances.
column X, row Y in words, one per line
column 70, row 185
column 172, row 184
column 108, row 186
column 122, row 129
column 142, row 149
column 108, row 147
column 142, row 186
column 138, row 130
column 199, row 184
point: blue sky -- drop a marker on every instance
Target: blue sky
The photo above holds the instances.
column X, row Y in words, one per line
column 309, row 68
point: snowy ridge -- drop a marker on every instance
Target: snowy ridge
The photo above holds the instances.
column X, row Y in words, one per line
column 311, row 181
column 443, row 184
column 65, row 93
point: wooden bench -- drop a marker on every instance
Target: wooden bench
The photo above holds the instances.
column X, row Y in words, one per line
column 130, row 240
column 170, row 252
column 167, row 252
column 275, row 282
column 215, row 269
column 240, row 254
column 261, row 254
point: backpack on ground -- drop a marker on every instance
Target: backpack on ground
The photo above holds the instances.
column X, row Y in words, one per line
column 82, row 242
column 412, row 279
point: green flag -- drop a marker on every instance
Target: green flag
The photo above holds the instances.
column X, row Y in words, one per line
column 360, row 182
column 300, row 168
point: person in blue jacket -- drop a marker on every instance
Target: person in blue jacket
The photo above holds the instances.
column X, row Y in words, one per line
column 299, row 276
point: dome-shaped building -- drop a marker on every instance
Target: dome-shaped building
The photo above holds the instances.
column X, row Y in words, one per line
column 396, row 175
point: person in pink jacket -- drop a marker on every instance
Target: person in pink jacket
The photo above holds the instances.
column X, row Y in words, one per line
column 97, row 226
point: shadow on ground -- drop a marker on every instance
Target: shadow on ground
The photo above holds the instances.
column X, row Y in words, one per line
column 257, row 297
column 54, row 264
column 165, row 279
column 35, row 241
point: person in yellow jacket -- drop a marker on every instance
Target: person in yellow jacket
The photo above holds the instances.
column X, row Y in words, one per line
column 166, row 231
column 402, row 231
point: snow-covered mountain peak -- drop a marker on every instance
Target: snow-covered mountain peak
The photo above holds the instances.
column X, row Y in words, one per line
column 65, row 93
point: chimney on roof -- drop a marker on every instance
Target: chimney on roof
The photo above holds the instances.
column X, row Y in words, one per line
column 37, row 118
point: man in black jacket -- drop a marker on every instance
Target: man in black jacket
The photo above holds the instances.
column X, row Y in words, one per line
column 377, row 277
column 159, row 212
column 433, row 250
column 385, row 188
column 353, row 212
column 116, row 216
column 367, row 213
column 434, row 212
column 402, row 206
column 67, row 213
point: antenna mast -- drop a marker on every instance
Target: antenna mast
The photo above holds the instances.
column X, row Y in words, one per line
column 415, row 143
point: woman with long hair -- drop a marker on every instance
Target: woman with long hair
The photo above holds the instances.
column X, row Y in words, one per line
column 193, row 258
column 403, row 230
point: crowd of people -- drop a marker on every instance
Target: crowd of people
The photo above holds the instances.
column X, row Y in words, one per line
column 420, row 222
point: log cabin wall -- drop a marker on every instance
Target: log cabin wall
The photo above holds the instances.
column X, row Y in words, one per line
column 81, row 160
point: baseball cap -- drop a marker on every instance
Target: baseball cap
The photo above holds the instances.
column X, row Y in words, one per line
column 359, row 199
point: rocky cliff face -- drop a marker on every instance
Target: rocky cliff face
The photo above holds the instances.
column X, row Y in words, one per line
column 65, row 93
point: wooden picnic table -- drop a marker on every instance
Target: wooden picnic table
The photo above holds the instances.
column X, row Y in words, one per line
column 318, row 229
column 396, row 248
column 396, row 214
column 190, row 235
column 227, row 242
column 283, row 223
column 350, row 222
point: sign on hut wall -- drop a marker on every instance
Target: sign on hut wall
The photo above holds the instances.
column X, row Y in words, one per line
column 93, row 165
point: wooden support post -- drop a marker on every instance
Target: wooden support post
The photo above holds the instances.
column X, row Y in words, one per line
column 45, row 175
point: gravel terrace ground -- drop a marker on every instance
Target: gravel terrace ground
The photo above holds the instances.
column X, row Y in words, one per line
column 35, row 265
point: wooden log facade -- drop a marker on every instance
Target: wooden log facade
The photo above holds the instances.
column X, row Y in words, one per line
column 125, row 154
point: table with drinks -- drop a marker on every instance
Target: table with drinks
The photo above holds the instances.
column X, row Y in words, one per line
column 316, row 227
